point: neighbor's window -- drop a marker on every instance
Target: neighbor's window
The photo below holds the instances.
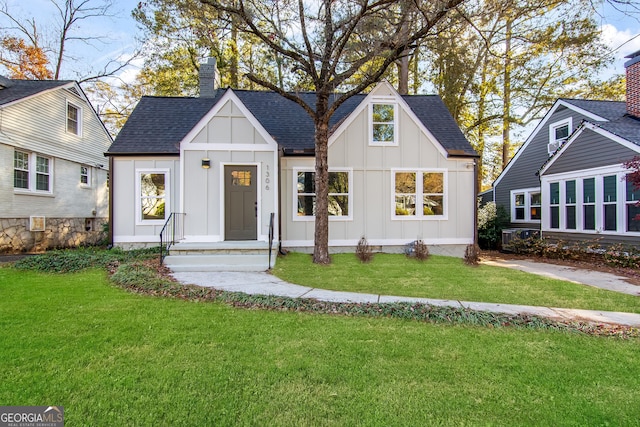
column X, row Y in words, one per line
column 383, row 124
column 21, row 170
column 570, row 204
column 633, row 210
column 558, row 134
column 419, row 194
column 526, row 205
column 589, row 203
column 609, row 202
column 32, row 172
column 84, row 175
column 73, row 119
column 153, row 196
column 554, row 202
column 338, row 193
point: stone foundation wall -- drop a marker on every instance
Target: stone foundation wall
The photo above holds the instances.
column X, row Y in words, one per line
column 59, row 233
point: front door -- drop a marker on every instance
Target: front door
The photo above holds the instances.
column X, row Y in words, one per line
column 241, row 202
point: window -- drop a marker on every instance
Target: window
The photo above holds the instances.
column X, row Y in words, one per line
column 21, row 170
column 85, row 178
column 609, row 202
column 633, row 210
column 526, row 205
column 383, row 124
column 32, row 172
column 74, row 115
column 339, row 197
column 554, row 203
column 558, row 134
column 589, row 203
column 570, row 204
column 419, row 194
column 153, row 197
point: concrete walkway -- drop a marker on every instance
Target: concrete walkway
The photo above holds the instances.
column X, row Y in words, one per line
column 267, row 284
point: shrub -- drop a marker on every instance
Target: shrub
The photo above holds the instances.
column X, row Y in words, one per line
column 491, row 220
column 421, row 250
column 363, row 251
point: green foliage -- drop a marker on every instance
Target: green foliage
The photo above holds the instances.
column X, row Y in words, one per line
column 492, row 219
column 72, row 260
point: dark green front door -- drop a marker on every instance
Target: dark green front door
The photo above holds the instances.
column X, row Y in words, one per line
column 241, row 202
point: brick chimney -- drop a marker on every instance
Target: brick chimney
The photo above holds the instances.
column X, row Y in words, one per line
column 209, row 79
column 633, row 84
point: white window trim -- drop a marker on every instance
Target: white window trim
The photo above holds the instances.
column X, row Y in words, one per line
column 579, row 176
column 89, row 173
column 380, row 101
column 32, row 162
column 420, row 216
column 138, row 192
column 553, row 142
column 527, row 205
column 80, row 115
column 294, row 206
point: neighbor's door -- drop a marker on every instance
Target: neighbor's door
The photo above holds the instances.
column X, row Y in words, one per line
column 241, row 202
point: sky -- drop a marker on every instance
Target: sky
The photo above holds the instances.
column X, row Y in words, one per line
column 120, row 31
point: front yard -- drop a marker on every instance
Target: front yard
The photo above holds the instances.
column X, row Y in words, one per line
column 447, row 278
column 111, row 357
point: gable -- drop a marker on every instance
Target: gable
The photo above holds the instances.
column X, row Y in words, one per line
column 590, row 148
column 521, row 170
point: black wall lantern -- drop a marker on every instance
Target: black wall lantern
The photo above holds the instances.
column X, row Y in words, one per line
column 206, row 163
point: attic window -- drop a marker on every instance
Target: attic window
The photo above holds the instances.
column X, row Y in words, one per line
column 558, row 134
column 383, row 124
column 74, row 119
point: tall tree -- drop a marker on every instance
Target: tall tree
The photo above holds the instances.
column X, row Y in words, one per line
column 330, row 42
column 24, row 61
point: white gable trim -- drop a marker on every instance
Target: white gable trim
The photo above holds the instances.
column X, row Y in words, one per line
column 228, row 96
column 373, row 98
column 559, row 103
column 578, row 132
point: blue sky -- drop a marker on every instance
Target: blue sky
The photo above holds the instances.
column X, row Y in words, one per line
column 120, row 31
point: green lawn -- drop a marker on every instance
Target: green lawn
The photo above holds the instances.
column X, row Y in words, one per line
column 113, row 358
column 449, row 278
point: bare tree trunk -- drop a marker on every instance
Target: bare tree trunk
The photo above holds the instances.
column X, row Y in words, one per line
column 403, row 74
column 233, row 65
column 506, row 97
column 321, row 238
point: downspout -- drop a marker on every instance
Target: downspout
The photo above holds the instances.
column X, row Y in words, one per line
column 111, row 201
column 475, row 201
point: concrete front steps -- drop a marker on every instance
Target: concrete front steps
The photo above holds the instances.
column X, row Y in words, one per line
column 220, row 256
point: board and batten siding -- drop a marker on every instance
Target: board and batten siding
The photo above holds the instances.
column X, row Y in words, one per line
column 522, row 173
column 228, row 138
column 373, row 191
column 590, row 150
column 125, row 201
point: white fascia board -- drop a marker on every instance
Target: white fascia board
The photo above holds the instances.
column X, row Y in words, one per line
column 595, row 128
column 559, row 103
column 372, row 97
column 228, row 96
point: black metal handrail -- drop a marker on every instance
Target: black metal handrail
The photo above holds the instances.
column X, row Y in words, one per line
column 170, row 233
column 271, row 232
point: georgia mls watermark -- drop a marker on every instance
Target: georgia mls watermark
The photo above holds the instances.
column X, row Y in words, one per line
column 31, row 416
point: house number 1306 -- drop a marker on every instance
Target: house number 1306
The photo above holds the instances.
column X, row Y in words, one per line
column 266, row 178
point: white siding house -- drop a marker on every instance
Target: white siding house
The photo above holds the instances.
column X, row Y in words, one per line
column 235, row 170
column 53, row 172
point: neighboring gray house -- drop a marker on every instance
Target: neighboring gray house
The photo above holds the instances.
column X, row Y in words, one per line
column 400, row 170
column 556, row 181
column 53, row 173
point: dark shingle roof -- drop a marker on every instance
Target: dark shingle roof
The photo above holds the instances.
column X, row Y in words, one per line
column 19, row 89
column 157, row 125
column 627, row 127
column 610, row 110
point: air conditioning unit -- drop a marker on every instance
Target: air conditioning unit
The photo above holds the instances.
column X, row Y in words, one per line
column 520, row 233
column 36, row 223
